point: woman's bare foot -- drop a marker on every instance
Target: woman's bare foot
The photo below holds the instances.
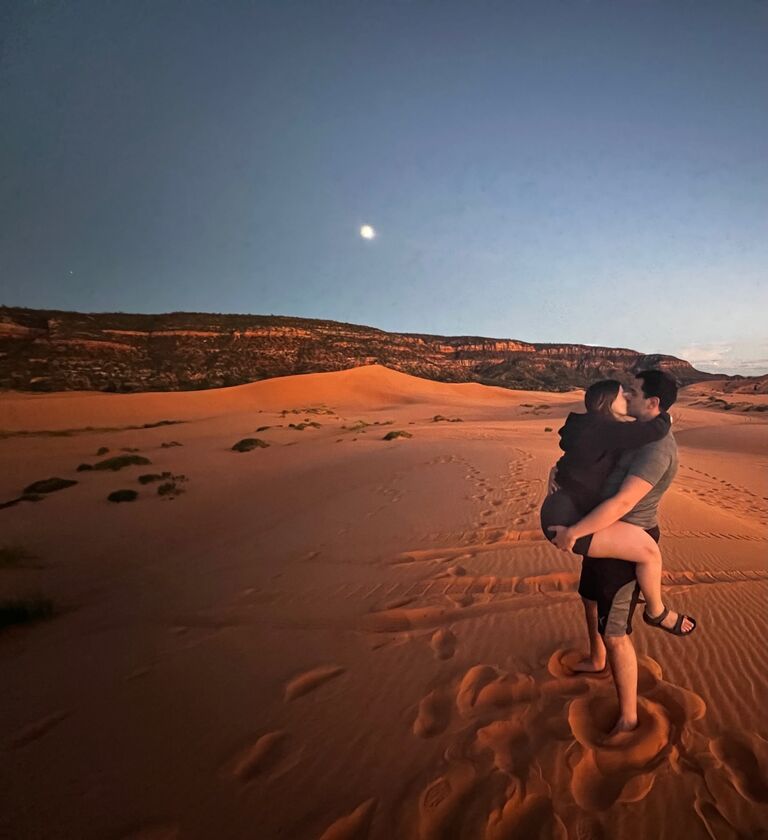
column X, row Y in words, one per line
column 588, row 666
column 623, row 725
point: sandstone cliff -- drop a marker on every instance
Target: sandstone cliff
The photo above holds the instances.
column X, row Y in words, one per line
column 53, row 350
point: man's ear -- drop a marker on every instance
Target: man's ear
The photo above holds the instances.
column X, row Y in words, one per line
column 655, row 403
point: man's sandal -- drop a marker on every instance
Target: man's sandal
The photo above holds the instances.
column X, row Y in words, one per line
column 676, row 630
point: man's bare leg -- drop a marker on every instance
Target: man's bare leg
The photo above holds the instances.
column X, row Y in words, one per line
column 596, row 659
column 623, row 661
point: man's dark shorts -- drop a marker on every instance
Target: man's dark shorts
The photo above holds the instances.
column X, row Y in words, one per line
column 609, row 581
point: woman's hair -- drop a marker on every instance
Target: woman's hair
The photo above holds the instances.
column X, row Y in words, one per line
column 600, row 396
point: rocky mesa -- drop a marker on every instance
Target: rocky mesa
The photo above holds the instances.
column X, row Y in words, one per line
column 47, row 350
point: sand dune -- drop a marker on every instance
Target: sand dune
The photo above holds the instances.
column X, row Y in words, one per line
column 341, row 636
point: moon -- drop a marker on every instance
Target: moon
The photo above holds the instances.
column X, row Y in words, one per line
column 367, row 232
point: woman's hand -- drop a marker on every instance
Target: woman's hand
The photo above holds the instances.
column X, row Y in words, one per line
column 563, row 538
column 552, row 485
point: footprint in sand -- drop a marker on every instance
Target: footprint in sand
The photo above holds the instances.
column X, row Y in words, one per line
column 509, row 742
column 528, row 815
column 745, row 759
column 463, row 599
column 716, row 824
column 562, row 663
column 623, row 767
column 485, row 688
column 259, row 757
column 434, row 714
column 618, row 768
column 441, row 800
column 354, row 826
column 310, row 680
column 443, row 643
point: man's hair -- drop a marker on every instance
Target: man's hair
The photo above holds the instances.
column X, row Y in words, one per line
column 657, row 383
column 599, row 397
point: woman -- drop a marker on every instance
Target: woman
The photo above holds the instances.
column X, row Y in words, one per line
column 592, row 443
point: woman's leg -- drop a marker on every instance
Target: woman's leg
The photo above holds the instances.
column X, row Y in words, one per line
column 630, row 542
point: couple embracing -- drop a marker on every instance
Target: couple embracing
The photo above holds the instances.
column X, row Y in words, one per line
column 603, row 498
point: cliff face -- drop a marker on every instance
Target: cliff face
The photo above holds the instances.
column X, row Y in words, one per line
column 44, row 350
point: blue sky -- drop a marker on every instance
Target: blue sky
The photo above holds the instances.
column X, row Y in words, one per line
column 591, row 172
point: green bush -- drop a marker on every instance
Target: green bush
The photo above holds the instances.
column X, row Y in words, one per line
column 247, row 444
column 393, row 435
column 148, row 478
column 49, row 485
column 120, row 461
column 122, row 496
column 169, row 488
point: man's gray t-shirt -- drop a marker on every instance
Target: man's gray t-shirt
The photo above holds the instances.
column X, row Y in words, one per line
column 655, row 463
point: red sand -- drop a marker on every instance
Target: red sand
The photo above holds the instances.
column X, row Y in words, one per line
column 339, row 636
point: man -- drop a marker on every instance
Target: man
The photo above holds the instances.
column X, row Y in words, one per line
column 608, row 586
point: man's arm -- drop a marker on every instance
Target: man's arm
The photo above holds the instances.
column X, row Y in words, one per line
column 611, row 510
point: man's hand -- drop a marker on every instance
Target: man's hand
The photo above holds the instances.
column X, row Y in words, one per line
column 563, row 539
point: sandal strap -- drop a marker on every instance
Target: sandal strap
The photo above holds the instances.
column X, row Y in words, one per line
column 656, row 620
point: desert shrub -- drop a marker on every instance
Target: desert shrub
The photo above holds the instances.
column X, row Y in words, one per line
column 23, row 610
column 263, row 428
column 120, row 461
column 49, row 485
column 84, row 467
column 322, row 410
column 122, row 496
column 171, row 443
column 393, row 435
column 102, row 450
column 547, row 428
column 160, row 423
column 357, row 426
column 169, row 488
column 148, row 478
column 247, row 444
